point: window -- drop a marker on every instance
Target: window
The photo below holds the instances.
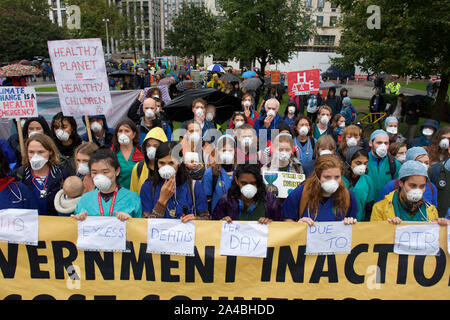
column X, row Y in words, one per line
column 320, row 5
column 324, row 40
column 333, row 21
column 308, row 3
column 319, row 21
column 333, row 7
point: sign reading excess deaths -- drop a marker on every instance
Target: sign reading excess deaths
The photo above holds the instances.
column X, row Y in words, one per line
column 80, row 74
column 18, row 102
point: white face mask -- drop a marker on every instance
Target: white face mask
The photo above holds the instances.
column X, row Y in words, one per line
column 342, row 125
column 414, row 195
column 291, row 110
column 151, row 152
column 124, row 139
column 330, row 186
column 323, row 152
column 83, row 169
column 149, row 113
column 324, row 120
column 401, row 158
column 427, row 132
column 239, row 124
column 32, row 133
column 249, row 191
column 303, row 131
column 284, row 156
column 444, row 143
column 271, row 113
column 158, row 110
column 209, row 116
column 156, row 97
column 247, row 141
column 227, row 157
column 38, row 162
column 391, row 130
column 96, row 127
column 62, row 135
column 359, row 170
column 247, row 103
column 199, row 112
column 194, row 137
column 352, row 142
column 166, row 172
column 103, row 183
column 381, row 151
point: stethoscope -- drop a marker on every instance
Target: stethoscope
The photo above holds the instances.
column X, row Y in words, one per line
column 18, row 197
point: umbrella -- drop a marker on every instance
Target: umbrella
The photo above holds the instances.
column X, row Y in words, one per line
column 248, row 74
column 160, row 72
column 251, row 84
column 18, row 70
column 35, row 63
column 47, row 60
column 216, row 68
column 229, row 77
column 24, row 62
column 121, row 73
column 166, row 81
column 142, row 65
column 183, row 85
column 180, row 108
column 327, row 85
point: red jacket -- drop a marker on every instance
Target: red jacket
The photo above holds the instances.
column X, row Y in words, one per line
column 137, row 153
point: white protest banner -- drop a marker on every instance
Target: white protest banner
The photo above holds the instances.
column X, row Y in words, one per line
column 169, row 236
column 329, row 238
column 18, row 102
column 282, row 183
column 19, row 226
column 244, row 239
column 81, row 79
column 418, row 240
column 102, row 234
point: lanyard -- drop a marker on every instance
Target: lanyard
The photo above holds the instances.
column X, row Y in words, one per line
column 300, row 147
column 249, row 211
column 44, row 182
column 111, row 208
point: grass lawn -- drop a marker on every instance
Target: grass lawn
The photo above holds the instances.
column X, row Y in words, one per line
column 51, row 89
column 418, row 85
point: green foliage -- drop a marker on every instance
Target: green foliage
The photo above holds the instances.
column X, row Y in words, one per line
column 265, row 30
column 192, row 32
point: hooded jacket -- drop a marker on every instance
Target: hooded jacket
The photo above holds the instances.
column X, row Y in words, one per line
column 422, row 141
column 108, row 133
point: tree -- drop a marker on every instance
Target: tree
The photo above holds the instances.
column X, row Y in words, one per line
column 413, row 39
column 26, row 28
column 265, row 30
column 192, row 32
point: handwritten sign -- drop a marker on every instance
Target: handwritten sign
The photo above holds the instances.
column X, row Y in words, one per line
column 281, row 184
column 244, row 239
column 417, row 240
column 80, row 74
column 102, row 234
column 18, row 102
column 168, row 236
column 19, row 226
column 303, row 82
column 329, row 238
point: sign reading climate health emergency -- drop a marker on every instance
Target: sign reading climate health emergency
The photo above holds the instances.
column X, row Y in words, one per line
column 18, row 102
column 304, row 82
column 57, row 269
column 282, row 183
column 80, row 74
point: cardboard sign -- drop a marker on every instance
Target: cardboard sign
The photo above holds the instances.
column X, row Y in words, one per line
column 19, row 226
column 18, row 102
column 280, row 183
column 329, row 238
column 275, row 77
column 81, row 79
column 244, row 239
column 303, row 82
column 169, row 236
column 102, row 234
column 417, row 240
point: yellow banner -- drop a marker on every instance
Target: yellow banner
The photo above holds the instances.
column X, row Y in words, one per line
column 372, row 270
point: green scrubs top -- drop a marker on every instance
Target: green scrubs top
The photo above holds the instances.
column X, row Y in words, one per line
column 364, row 193
column 380, row 173
column 126, row 168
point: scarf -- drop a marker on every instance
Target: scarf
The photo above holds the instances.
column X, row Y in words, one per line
column 5, row 181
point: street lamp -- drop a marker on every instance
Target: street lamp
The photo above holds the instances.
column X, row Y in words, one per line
column 107, row 38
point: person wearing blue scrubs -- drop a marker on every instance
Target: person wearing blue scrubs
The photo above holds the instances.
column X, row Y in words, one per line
column 109, row 198
column 303, row 140
column 170, row 193
column 217, row 179
column 323, row 197
column 431, row 192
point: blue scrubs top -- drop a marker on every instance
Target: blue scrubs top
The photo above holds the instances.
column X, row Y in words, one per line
column 180, row 199
column 17, row 196
column 325, row 213
column 221, row 187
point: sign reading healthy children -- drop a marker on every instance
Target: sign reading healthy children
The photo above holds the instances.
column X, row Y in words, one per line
column 81, row 79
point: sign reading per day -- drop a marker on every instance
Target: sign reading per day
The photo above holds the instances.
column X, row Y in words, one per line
column 18, row 102
column 304, row 82
column 80, row 74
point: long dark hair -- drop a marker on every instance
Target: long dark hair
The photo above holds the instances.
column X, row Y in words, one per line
column 42, row 122
column 76, row 139
column 286, row 111
column 165, row 149
column 235, row 190
column 132, row 126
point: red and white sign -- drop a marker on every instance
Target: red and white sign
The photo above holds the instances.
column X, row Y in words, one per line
column 304, row 82
column 361, row 76
column 81, row 79
column 18, row 102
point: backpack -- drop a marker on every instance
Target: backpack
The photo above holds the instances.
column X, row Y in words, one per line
column 392, row 166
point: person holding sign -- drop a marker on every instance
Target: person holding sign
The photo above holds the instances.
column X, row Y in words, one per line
column 247, row 199
column 171, row 193
column 41, row 172
column 102, row 135
column 14, row 194
column 406, row 203
column 357, row 180
column 109, row 198
column 281, row 157
column 323, row 196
